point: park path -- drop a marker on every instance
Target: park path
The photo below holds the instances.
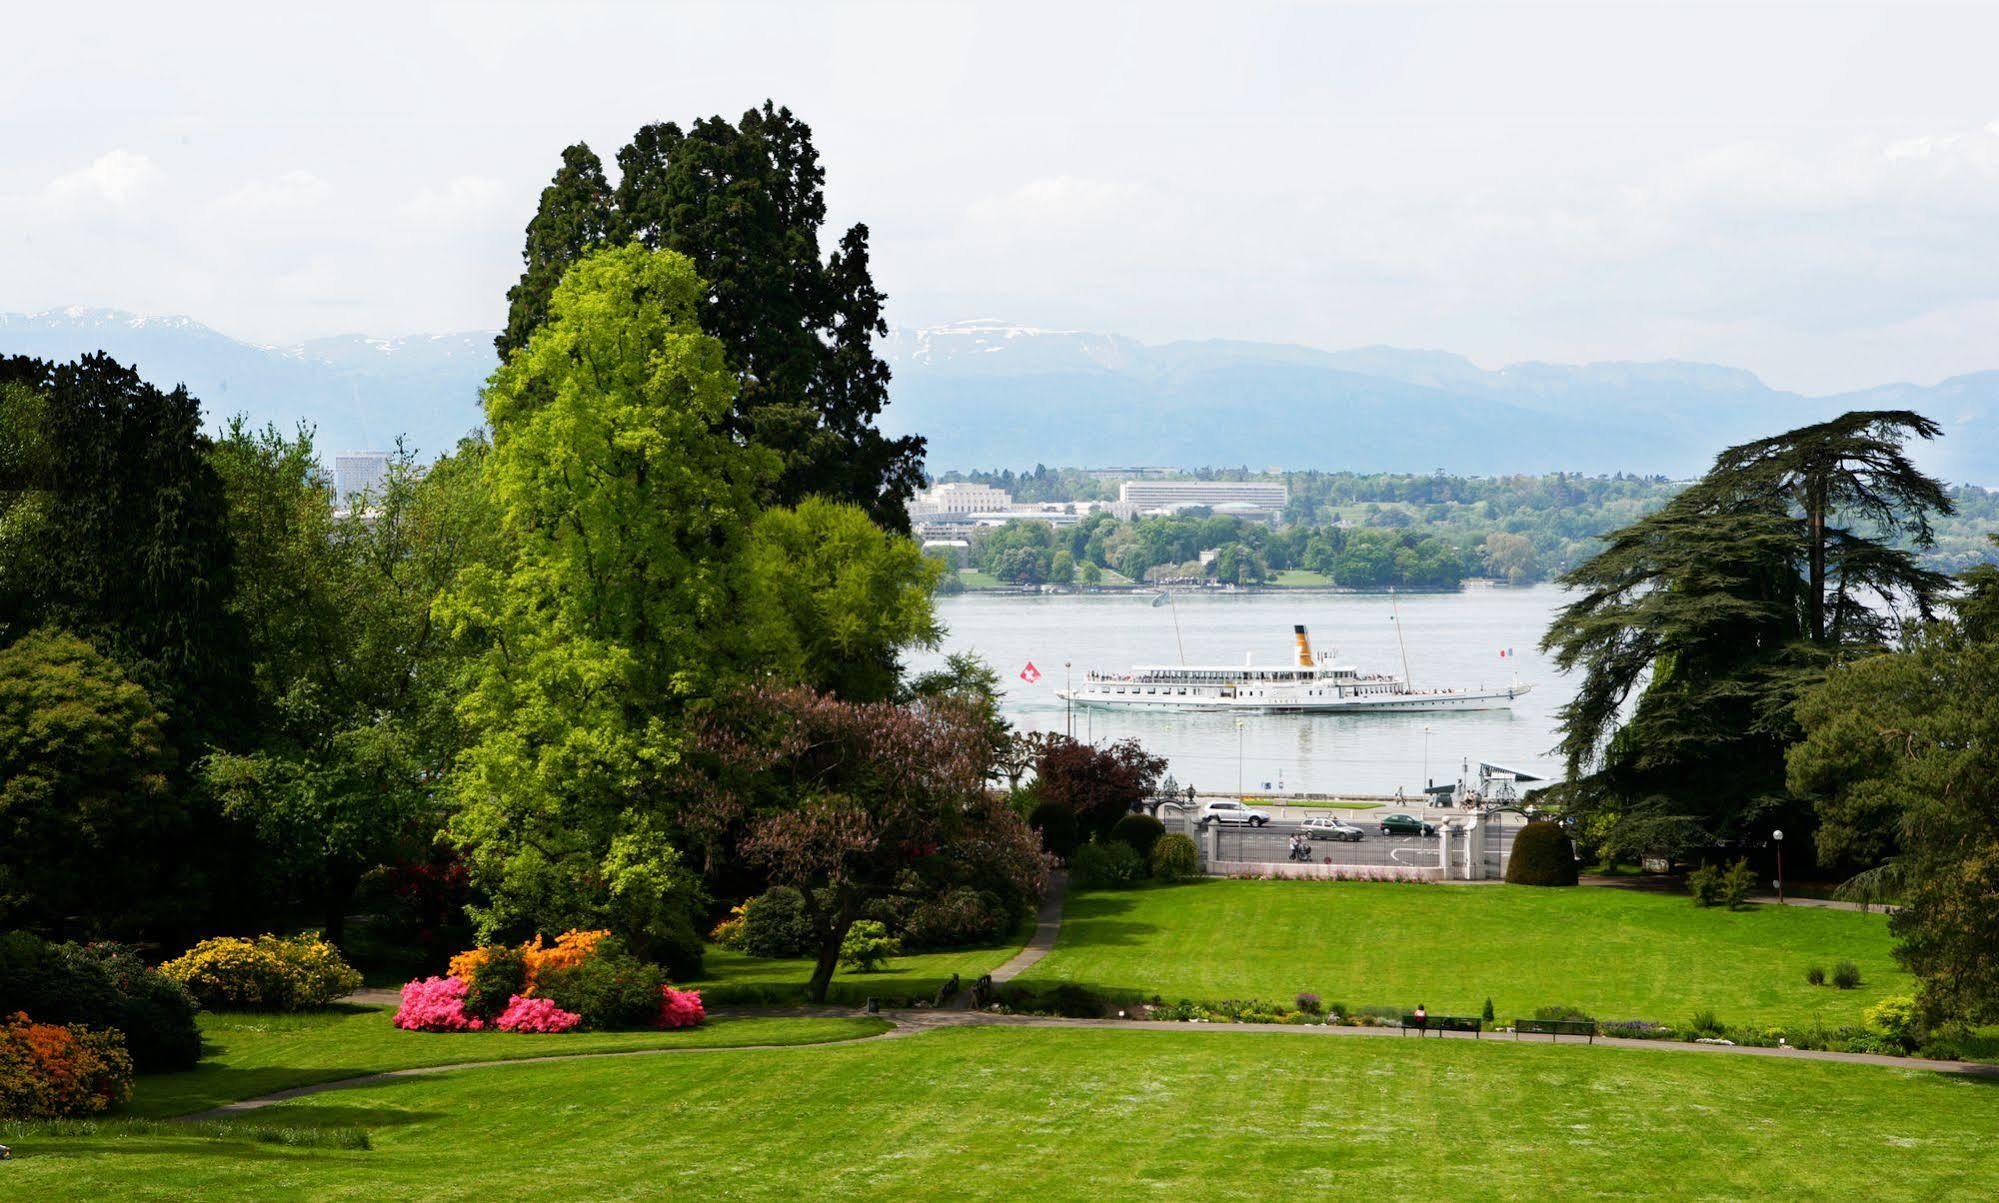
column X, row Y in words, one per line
column 1047, row 925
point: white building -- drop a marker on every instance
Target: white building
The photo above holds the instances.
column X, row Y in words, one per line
column 959, row 497
column 359, row 472
column 1250, row 498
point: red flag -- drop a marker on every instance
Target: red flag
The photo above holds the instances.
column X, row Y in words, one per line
column 1030, row 674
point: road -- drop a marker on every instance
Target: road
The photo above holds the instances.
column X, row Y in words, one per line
column 1272, row 841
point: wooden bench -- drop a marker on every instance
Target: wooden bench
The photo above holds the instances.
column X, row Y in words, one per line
column 1555, row 1028
column 982, row 992
column 947, row 991
column 1442, row 1023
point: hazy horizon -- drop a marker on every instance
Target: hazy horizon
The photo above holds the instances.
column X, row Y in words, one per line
column 1806, row 192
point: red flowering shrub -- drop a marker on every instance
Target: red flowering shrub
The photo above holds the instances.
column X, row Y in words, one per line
column 535, row 1015
column 436, row 1004
column 49, row 1071
column 680, row 1008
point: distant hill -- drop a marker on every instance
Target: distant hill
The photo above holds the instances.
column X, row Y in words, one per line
column 988, row 395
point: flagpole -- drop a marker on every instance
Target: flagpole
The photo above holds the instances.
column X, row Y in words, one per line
column 1396, row 618
column 1068, row 703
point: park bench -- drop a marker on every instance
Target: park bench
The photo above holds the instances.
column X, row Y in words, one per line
column 1442, row 1023
column 982, row 992
column 946, row 991
column 1555, row 1028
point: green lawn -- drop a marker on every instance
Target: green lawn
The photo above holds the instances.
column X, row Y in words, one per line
column 972, row 578
column 1617, row 954
column 1298, row 578
column 1051, row 1114
column 246, row 1055
column 731, row 977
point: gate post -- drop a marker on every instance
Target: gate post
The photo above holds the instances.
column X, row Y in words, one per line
column 1444, row 850
column 1475, row 837
column 1214, row 845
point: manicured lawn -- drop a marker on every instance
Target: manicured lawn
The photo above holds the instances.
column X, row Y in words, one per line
column 732, row 977
column 1045, row 1114
column 972, row 578
column 1298, row 578
column 1617, row 954
column 246, row 1055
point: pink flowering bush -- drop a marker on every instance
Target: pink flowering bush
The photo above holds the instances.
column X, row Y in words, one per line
column 535, row 1015
column 680, row 1008
column 436, row 1004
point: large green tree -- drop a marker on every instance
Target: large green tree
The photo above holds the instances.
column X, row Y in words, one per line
column 84, row 789
column 115, row 528
column 745, row 201
column 627, row 501
column 1696, row 629
column 1901, row 753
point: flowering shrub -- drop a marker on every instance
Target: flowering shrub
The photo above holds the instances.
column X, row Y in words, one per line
column 680, row 1008
column 49, row 1071
column 276, row 973
column 571, row 949
column 729, row 932
column 535, row 1015
column 436, row 1004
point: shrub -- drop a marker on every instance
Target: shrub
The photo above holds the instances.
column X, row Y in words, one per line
column 492, row 979
column 867, row 946
column 679, row 1008
column 271, row 973
column 1705, row 1021
column 1735, row 885
column 1542, row 856
column 1704, row 884
column 53, row 1071
column 610, row 988
column 1896, row 1019
column 1815, row 975
column 774, row 924
column 1487, row 1014
column 958, row 917
column 1557, row 1013
column 729, row 932
column 102, row 985
column 1109, row 865
column 1846, row 975
column 1174, row 858
column 436, row 1004
column 1067, row 999
column 1308, row 1003
column 1056, row 823
column 1141, row 832
column 535, row 1015
column 571, row 949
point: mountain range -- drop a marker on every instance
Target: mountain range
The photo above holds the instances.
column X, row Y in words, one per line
column 988, row 394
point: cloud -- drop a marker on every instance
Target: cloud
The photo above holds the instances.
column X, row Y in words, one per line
column 116, row 177
column 1062, row 199
column 465, row 198
column 278, row 192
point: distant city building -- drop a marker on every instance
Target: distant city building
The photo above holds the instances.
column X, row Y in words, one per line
column 959, row 497
column 1247, row 498
column 359, row 472
column 1133, row 473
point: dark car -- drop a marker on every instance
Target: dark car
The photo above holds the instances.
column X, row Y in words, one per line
column 1400, row 824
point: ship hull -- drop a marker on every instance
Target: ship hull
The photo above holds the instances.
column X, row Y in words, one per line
column 1403, row 703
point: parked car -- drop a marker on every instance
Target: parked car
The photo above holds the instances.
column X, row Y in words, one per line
column 1401, row 824
column 1329, row 827
column 1233, row 812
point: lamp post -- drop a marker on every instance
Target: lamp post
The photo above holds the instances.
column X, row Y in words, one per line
column 1239, row 724
column 1426, row 762
column 1779, row 837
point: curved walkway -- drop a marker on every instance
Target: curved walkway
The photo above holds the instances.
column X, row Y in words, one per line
column 1047, row 925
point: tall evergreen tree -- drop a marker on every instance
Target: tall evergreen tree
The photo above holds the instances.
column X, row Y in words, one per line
column 746, row 202
column 574, row 218
column 1719, row 611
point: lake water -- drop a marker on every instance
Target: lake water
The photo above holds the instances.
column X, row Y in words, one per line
column 1454, row 639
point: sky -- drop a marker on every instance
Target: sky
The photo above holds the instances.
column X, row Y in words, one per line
column 1808, row 191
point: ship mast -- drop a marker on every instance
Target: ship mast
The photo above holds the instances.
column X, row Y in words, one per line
column 1396, row 618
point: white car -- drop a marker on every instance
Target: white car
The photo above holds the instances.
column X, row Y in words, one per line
column 1233, row 812
column 1329, row 827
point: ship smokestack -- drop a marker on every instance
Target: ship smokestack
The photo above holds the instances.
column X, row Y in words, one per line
column 1304, row 646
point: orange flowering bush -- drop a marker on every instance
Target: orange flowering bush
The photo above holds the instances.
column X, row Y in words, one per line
column 50, row 1071
column 570, row 949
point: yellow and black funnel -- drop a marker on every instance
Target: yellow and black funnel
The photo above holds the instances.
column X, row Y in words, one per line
column 1304, row 646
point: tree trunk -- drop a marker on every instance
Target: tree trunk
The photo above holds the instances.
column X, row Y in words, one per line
column 339, row 897
column 829, row 959
column 1816, row 507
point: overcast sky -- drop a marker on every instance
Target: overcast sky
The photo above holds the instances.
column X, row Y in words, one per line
column 1806, row 191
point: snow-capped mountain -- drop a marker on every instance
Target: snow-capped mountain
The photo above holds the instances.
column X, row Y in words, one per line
column 988, row 393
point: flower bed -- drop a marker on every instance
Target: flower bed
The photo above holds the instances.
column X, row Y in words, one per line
column 585, row 980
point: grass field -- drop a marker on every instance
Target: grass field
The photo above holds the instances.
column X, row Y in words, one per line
column 246, row 1055
column 1050, row 1114
column 1298, row 578
column 972, row 578
column 1617, row 954
column 731, row 977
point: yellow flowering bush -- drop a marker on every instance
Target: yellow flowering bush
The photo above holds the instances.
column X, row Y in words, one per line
column 570, row 949
column 269, row 973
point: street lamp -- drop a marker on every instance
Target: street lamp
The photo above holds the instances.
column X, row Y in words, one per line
column 1240, row 758
column 1426, row 760
column 1779, row 837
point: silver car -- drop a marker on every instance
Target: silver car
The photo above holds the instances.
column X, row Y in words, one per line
column 1329, row 827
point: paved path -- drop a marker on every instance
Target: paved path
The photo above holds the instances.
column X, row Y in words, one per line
column 1047, row 925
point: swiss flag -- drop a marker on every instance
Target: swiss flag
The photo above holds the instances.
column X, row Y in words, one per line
column 1030, row 674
